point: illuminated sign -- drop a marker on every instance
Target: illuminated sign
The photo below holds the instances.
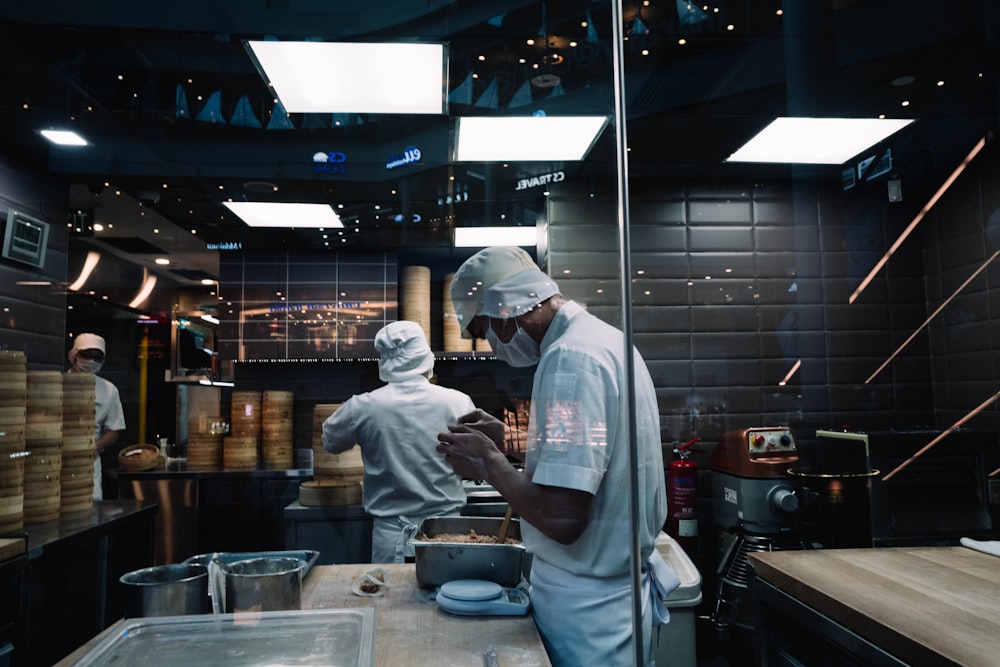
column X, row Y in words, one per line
column 538, row 181
column 329, row 163
column 302, row 307
column 409, row 156
column 225, row 245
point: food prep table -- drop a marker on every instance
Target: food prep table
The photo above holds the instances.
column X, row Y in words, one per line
column 885, row 606
column 409, row 628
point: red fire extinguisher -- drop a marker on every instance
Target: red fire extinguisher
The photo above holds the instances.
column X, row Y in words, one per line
column 682, row 497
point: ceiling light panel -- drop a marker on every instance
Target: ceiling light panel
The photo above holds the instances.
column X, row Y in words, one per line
column 483, row 237
column 64, row 138
column 285, row 214
column 346, row 77
column 816, row 140
column 526, row 138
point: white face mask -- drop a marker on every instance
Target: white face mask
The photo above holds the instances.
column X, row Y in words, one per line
column 520, row 351
column 87, row 365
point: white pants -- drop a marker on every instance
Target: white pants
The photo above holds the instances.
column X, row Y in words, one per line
column 587, row 621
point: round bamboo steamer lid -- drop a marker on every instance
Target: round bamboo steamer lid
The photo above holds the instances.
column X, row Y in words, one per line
column 324, row 492
column 138, row 457
column 13, row 415
column 39, row 378
column 11, row 505
column 76, row 378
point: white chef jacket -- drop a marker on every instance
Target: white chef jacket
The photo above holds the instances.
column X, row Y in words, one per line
column 396, row 427
column 577, row 439
column 109, row 417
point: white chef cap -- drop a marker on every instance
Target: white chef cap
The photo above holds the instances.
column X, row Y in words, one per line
column 86, row 341
column 500, row 281
column 403, row 351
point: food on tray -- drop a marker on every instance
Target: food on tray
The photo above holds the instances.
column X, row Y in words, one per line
column 465, row 538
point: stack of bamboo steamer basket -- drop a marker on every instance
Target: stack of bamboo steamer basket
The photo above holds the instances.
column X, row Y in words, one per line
column 415, row 302
column 337, row 478
column 204, row 444
column 452, row 328
column 13, row 402
column 78, row 442
column 240, row 447
column 276, row 429
column 43, row 429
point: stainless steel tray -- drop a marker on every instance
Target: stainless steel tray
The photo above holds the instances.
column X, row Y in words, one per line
column 335, row 637
column 440, row 562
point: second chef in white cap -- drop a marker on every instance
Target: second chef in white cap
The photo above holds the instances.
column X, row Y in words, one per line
column 396, row 426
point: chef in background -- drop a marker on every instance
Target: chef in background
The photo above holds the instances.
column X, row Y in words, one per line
column 573, row 494
column 396, row 426
column 87, row 356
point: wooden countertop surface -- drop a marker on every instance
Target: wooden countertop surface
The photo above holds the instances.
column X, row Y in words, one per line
column 410, row 629
column 925, row 605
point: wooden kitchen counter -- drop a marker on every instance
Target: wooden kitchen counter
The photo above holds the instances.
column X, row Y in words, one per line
column 410, row 629
column 921, row 605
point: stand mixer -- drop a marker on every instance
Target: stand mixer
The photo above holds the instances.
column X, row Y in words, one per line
column 756, row 507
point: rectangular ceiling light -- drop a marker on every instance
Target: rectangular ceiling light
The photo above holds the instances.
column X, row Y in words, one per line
column 64, row 137
column 526, row 138
column 816, row 140
column 285, row 214
column 346, row 77
column 483, row 237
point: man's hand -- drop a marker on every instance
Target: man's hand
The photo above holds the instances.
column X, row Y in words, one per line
column 468, row 449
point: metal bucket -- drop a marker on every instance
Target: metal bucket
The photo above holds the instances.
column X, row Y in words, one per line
column 263, row 584
column 171, row 590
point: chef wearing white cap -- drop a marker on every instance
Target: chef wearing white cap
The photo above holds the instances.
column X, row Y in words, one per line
column 87, row 356
column 573, row 494
column 396, row 427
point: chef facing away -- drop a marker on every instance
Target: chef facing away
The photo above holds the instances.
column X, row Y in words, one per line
column 396, row 426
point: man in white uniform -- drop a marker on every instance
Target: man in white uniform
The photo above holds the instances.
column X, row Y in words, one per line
column 87, row 356
column 396, row 426
column 573, row 495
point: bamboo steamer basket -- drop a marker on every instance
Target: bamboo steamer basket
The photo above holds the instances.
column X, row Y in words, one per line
column 324, row 492
column 451, row 327
column 204, row 449
column 276, row 429
column 13, row 386
column 13, row 415
column 138, row 457
column 11, row 512
column 239, row 452
column 415, row 300
column 42, row 495
column 346, row 465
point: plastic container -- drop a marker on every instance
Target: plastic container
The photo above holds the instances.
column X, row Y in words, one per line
column 171, row 590
column 674, row 643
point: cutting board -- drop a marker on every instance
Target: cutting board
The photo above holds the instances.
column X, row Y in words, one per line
column 11, row 547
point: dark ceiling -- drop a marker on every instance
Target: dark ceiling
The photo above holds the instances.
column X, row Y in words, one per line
column 179, row 119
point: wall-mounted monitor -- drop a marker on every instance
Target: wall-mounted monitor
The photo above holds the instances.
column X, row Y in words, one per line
column 25, row 238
